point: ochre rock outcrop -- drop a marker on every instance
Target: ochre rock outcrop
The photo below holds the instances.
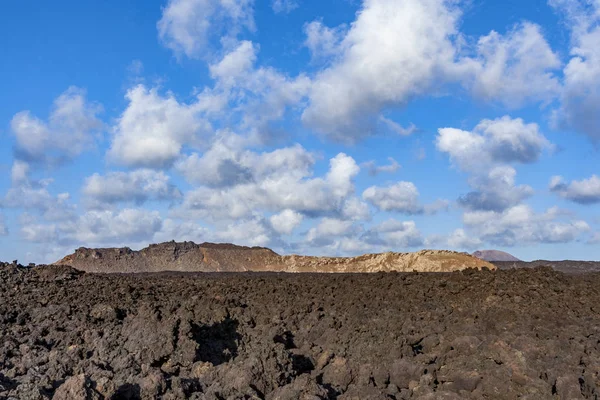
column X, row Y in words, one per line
column 209, row 257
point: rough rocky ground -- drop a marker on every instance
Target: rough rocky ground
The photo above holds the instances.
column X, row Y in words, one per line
column 567, row 266
column 211, row 257
column 529, row 334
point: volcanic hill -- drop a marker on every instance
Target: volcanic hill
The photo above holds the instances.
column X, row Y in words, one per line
column 210, row 257
column 495, row 255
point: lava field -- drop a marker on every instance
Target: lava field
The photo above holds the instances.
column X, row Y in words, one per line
column 513, row 334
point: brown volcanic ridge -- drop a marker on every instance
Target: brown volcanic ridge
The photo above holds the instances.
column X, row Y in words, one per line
column 210, row 257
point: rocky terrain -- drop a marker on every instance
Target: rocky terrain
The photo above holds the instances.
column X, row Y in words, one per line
column 494, row 255
column 567, row 266
column 210, row 257
column 506, row 334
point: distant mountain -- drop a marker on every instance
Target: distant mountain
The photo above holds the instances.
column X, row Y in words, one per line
column 210, row 257
column 495, row 255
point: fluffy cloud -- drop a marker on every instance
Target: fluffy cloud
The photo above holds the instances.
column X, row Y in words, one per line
column 521, row 225
column 101, row 227
column 580, row 98
column 495, row 191
column 394, row 235
column 585, row 191
column 376, row 70
column 136, row 186
column 513, row 69
column 227, row 163
column 323, row 41
column 486, row 153
column 286, row 221
column 503, row 140
column 34, row 196
column 277, row 189
column 187, row 25
column 401, row 197
column 327, row 230
column 67, row 133
column 153, row 129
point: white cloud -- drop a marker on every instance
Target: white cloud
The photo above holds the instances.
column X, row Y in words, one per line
column 487, row 152
column 31, row 195
column 513, row 69
column 401, row 197
column 68, row 132
column 276, row 188
column 394, row 235
column 234, row 64
column 227, row 163
column 114, row 227
column 153, row 129
column 251, row 232
column 580, row 99
column 585, row 191
column 284, row 6
column 186, row 26
column 286, row 221
column 327, row 230
column 520, row 225
column 376, row 70
column 503, row 140
column 495, row 191
column 257, row 95
column 323, row 41
column 135, row 186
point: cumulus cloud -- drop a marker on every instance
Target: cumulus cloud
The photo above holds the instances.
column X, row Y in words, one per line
column 513, row 69
column 585, row 191
column 503, row 140
column 394, row 235
column 34, row 196
column 401, row 197
column 521, row 225
column 153, row 129
column 228, row 163
column 376, row 70
column 323, row 41
column 580, row 98
column 136, row 186
column 328, row 230
column 256, row 95
column 101, row 227
column 486, row 153
column 276, row 189
column 69, row 131
column 495, row 191
column 286, row 221
column 186, row 26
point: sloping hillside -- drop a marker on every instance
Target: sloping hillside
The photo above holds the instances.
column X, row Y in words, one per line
column 210, row 257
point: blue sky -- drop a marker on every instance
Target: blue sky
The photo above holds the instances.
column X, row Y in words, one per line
column 337, row 127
